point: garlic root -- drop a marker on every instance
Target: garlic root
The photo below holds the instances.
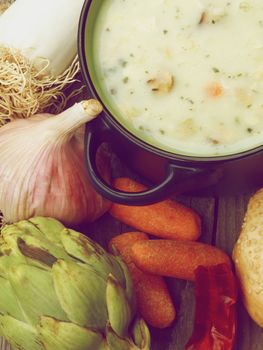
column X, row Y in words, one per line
column 92, row 107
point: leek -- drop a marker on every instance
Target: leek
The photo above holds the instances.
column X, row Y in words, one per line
column 38, row 56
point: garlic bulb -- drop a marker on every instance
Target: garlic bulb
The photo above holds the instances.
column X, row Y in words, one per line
column 42, row 169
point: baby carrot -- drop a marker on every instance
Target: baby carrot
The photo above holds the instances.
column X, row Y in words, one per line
column 177, row 259
column 153, row 298
column 165, row 219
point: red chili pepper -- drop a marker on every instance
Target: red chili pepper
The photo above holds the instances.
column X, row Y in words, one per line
column 215, row 312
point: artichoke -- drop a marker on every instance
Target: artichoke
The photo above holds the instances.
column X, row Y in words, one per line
column 59, row 290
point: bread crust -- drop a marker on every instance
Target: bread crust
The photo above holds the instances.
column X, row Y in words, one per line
column 248, row 258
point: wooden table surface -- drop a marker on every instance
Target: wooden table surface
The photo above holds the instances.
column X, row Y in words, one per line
column 221, row 222
column 222, row 219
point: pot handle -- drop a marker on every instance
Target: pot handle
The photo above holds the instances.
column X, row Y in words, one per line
column 170, row 185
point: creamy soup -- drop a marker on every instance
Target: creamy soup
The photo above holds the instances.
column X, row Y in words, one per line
column 185, row 75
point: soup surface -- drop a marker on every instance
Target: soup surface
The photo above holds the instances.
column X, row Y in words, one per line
column 184, row 75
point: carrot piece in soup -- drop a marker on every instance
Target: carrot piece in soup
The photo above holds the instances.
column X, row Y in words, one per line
column 214, row 89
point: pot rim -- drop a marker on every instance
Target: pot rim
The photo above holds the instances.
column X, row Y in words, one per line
column 110, row 119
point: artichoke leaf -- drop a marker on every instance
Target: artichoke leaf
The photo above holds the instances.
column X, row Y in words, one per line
column 13, row 255
column 59, row 290
column 34, row 289
column 37, row 256
column 81, row 292
column 7, row 262
column 10, row 254
column 56, row 335
column 41, row 253
column 49, row 227
column 39, row 239
column 24, row 240
column 26, row 227
column 87, row 251
column 19, row 334
column 30, row 232
column 8, row 301
column 141, row 335
column 118, row 343
column 130, row 294
column 83, row 246
column 119, row 310
column 10, row 231
column 115, row 342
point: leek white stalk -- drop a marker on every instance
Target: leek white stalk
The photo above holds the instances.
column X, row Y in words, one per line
column 42, row 169
column 38, row 50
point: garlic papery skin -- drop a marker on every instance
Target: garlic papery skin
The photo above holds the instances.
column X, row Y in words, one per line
column 42, row 170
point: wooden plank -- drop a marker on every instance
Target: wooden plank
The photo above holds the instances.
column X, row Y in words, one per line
column 230, row 217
